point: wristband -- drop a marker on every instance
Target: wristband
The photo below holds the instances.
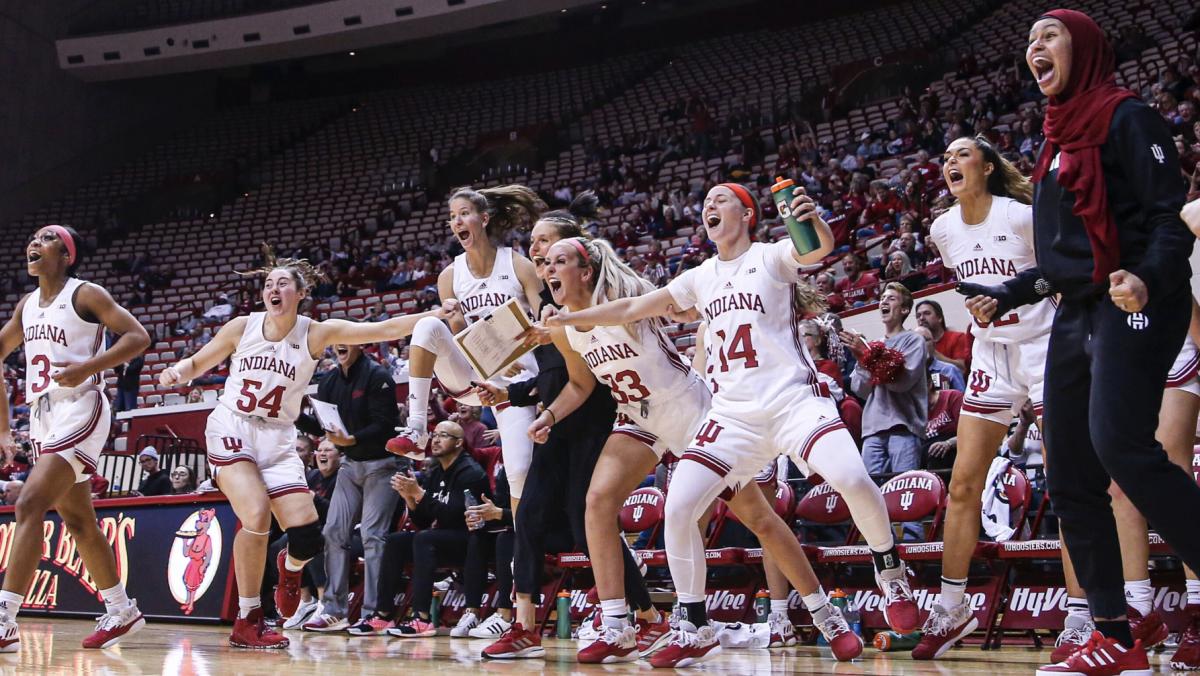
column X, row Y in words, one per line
column 553, row 418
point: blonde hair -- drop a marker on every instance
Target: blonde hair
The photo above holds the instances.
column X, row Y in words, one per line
column 906, row 297
column 303, row 273
column 509, row 207
column 611, row 278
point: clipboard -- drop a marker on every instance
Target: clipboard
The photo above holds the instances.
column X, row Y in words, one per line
column 490, row 344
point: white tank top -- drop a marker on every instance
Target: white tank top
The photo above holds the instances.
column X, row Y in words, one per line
column 755, row 352
column 993, row 252
column 57, row 334
column 478, row 296
column 267, row 379
column 640, row 372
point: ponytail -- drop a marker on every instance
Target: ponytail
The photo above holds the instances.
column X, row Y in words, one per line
column 569, row 222
column 1005, row 180
column 509, row 207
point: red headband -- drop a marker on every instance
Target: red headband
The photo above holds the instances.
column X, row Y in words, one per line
column 582, row 250
column 67, row 239
column 744, row 197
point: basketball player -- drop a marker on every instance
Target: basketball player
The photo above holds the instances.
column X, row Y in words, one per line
column 766, row 401
column 987, row 237
column 251, row 434
column 484, row 277
column 62, row 325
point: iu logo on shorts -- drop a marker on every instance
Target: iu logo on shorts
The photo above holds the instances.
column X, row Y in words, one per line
column 232, row 443
column 708, row 433
column 980, row 382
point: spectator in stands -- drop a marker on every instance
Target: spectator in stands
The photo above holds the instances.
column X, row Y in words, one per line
column 825, row 283
column 365, row 397
column 858, row 287
column 475, row 433
column 1024, row 443
column 898, row 268
column 129, row 378
column 896, row 411
column 188, row 324
column 183, row 480
column 952, row 347
column 195, row 396
column 156, row 481
column 436, row 505
column 12, row 491
column 938, row 368
column 220, row 310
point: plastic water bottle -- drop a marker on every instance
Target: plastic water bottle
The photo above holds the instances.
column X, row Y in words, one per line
column 470, row 501
column 762, row 606
column 435, row 609
column 803, row 233
column 562, row 612
column 890, row 641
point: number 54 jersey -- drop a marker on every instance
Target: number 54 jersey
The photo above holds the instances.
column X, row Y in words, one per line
column 756, row 356
column 267, row 378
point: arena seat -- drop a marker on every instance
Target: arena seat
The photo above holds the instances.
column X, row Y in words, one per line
column 642, row 511
column 823, row 506
column 915, row 495
column 1019, row 495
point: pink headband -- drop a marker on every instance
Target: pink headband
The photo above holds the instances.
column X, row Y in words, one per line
column 582, row 250
column 67, row 239
column 747, row 201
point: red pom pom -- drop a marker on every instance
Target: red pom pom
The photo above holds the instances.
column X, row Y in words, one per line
column 883, row 363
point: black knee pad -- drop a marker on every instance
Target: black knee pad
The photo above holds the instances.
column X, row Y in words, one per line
column 305, row 542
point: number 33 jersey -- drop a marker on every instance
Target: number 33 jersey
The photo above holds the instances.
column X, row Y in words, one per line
column 56, row 334
column 267, row 378
column 755, row 349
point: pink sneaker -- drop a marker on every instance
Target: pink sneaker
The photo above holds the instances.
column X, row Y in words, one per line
column 414, row 628
column 371, row 626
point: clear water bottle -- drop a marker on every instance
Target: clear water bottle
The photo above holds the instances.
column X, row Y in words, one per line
column 471, row 501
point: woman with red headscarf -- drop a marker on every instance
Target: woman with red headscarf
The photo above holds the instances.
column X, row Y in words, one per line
column 1110, row 242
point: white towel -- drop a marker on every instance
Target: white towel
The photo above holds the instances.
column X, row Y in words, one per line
column 995, row 510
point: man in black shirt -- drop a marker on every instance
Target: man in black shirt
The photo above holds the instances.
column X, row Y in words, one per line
column 365, row 396
column 157, row 481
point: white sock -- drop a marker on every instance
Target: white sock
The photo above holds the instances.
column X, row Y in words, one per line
column 1078, row 608
column 817, row 604
column 10, row 603
column 1193, row 592
column 115, row 599
column 952, row 592
column 418, row 403
column 293, row 567
column 779, row 606
column 1139, row 596
column 247, row 604
column 614, row 613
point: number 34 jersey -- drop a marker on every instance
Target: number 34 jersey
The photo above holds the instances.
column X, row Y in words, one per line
column 267, row 378
column 755, row 348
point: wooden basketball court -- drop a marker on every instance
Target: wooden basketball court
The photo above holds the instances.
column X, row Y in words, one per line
column 53, row 648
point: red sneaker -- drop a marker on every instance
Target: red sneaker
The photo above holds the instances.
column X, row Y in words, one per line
column 653, row 635
column 252, row 632
column 688, row 646
column 1075, row 634
column 614, row 645
column 287, row 592
column 1150, row 630
column 783, row 633
column 409, row 443
column 1187, row 655
column 111, row 628
column 516, row 643
column 943, row 628
column 843, row 643
column 1102, row 656
column 10, row 638
column 899, row 609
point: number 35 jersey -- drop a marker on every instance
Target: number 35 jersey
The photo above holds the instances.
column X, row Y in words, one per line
column 56, row 334
column 267, row 378
column 755, row 349
column 644, row 372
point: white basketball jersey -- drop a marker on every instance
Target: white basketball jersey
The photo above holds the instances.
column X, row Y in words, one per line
column 640, row 372
column 57, row 334
column 267, row 379
column 993, row 252
column 756, row 354
column 478, row 296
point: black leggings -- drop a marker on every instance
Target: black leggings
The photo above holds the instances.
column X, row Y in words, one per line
column 1105, row 375
column 559, row 475
column 482, row 549
column 425, row 550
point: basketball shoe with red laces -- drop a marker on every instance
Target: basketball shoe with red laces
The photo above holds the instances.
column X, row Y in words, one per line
column 1187, row 655
column 287, row 592
column 112, row 627
column 1102, row 656
column 516, row 643
column 614, row 645
column 689, row 645
column 1150, row 630
column 252, row 632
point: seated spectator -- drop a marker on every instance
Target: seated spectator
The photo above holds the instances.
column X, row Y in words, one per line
column 195, row 396
column 941, row 432
column 220, row 311
column 475, row 433
column 859, row 286
column 952, row 347
column 156, row 481
column 188, row 324
column 12, row 490
column 435, row 504
column 826, row 285
column 941, row 370
column 183, row 480
column 1024, row 443
column 815, row 341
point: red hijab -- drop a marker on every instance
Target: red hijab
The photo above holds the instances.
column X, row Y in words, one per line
column 1076, row 126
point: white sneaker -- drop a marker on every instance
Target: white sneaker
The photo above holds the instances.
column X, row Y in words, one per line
column 10, row 638
column 303, row 613
column 783, row 633
column 466, row 623
column 444, row 585
column 112, row 627
column 326, row 623
column 493, row 627
column 592, row 628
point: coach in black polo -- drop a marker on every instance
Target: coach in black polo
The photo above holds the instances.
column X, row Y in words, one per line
column 365, row 396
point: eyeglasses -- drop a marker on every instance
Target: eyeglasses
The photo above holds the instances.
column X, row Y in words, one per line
column 145, row 458
column 444, row 435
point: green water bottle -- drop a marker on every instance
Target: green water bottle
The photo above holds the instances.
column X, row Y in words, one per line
column 562, row 612
column 803, row 234
column 435, row 608
column 762, row 606
column 890, row 641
